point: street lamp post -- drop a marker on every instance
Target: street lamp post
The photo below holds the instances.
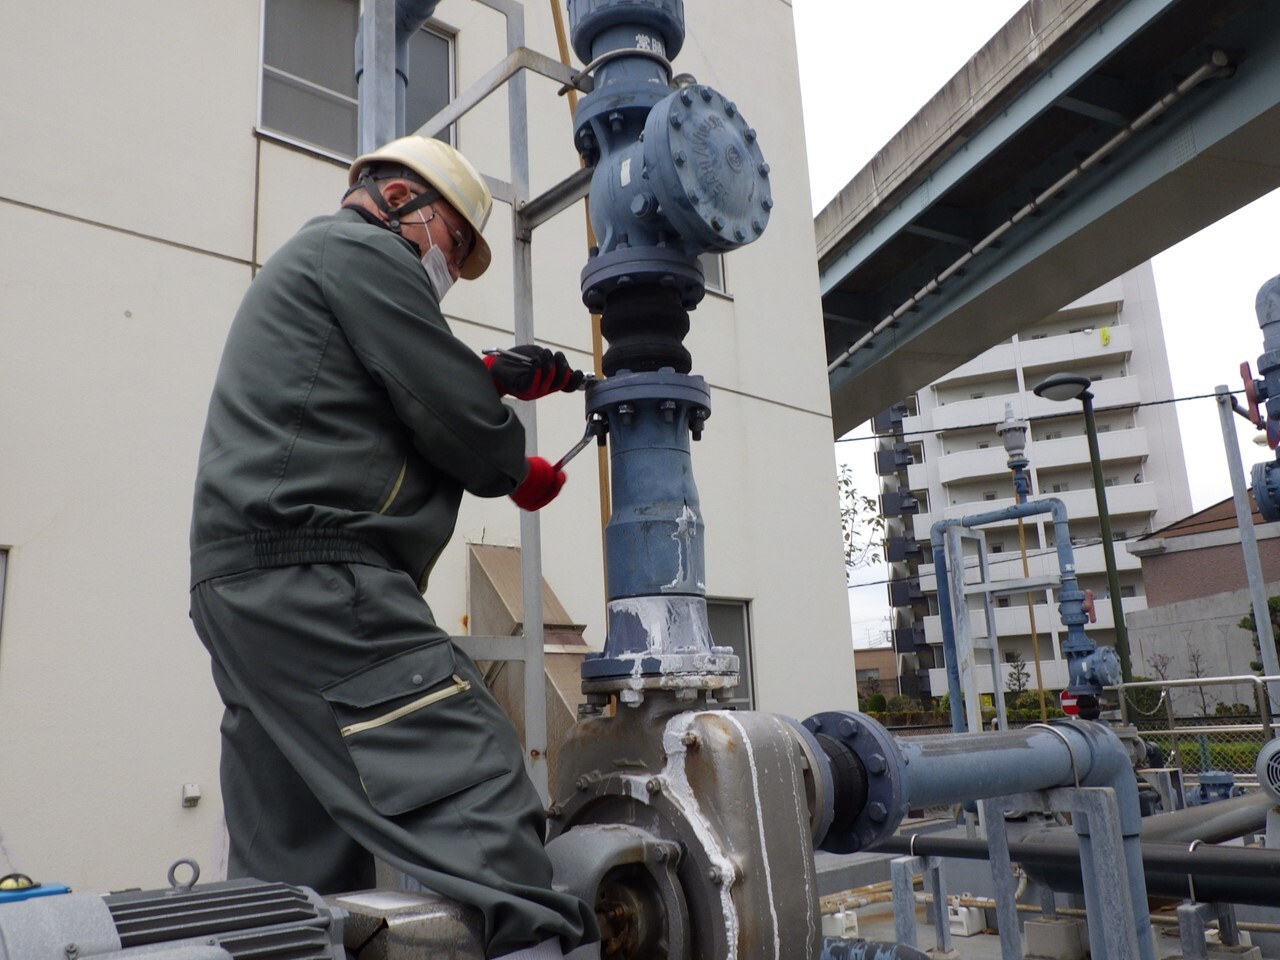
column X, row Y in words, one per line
column 1074, row 386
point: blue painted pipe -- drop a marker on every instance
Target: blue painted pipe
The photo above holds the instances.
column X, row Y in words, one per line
column 950, row 768
column 1089, row 669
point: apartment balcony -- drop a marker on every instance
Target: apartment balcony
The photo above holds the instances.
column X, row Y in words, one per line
column 1053, row 672
column 1114, row 392
column 1080, row 504
column 966, row 413
column 1013, row 621
column 1070, row 451
column 974, row 464
column 1122, row 499
column 1060, row 351
column 999, row 359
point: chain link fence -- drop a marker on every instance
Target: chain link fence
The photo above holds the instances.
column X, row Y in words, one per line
column 1204, row 723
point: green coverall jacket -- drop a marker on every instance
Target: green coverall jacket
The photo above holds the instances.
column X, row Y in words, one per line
column 346, row 419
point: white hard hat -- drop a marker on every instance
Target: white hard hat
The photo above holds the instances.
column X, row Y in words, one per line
column 452, row 175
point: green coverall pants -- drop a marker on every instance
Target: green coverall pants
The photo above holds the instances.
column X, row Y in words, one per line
column 354, row 728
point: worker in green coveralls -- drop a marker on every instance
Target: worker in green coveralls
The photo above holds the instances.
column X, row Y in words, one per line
column 346, row 423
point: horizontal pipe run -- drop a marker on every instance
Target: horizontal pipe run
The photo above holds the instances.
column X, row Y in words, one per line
column 1220, row 874
column 973, row 766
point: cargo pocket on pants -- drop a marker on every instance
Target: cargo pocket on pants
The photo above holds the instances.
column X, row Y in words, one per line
column 414, row 730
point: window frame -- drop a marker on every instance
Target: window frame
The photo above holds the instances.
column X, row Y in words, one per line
column 265, row 131
column 744, row 697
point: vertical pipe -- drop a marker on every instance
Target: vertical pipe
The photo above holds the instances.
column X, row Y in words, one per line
column 938, row 546
column 1108, row 548
column 376, row 101
column 535, row 693
column 1002, row 880
column 1248, row 543
column 1020, row 491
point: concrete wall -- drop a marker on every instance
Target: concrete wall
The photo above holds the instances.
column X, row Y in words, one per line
column 135, row 197
column 1207, row 624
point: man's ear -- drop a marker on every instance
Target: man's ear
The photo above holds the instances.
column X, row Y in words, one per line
column 396, row 192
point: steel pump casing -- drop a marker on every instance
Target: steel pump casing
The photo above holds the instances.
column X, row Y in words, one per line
column 703, row 817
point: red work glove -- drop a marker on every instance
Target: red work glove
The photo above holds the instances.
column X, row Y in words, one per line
column 541, row 373
column 540, row 486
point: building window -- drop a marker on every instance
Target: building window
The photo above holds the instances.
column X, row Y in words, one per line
column 4, row 565
column 912, row 405
column 713, row 271
column 1053, row 435
column 989, row 495
column 308, row 73
column 978, row 395
column 983, row 445
column 730, row 624
column 917, row 452
column 1129, row 591
column 1061, row 487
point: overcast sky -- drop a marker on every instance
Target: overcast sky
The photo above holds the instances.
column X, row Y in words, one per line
column 866, row 68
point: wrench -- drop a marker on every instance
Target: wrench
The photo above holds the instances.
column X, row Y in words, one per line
column 587, row 378
column 577, row 448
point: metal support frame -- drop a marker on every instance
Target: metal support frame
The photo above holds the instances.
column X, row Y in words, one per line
column 966, row 646
column 902, row 873
column 1248, row 542
column 1108, row 892
column 1002, row 878
column 1194, row 918
column 511, row 71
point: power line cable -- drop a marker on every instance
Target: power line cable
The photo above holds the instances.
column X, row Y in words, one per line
column 1050, row 416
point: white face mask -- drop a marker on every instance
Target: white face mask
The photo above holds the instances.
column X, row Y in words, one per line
column 437, row 267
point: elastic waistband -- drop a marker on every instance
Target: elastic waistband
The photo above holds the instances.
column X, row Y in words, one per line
column 282, row 548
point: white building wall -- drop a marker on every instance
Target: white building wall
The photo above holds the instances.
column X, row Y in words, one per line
column 135, row 197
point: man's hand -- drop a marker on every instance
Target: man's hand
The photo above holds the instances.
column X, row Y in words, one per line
column 528, row 372
column 540, row 485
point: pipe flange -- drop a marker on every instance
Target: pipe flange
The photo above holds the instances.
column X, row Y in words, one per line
column 625, row 267
column 706, row 168
column 823, row 803
column 665, row 384
column 588, row 19
column 882, row 760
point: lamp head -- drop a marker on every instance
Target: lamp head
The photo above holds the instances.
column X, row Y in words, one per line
column 1063, row 386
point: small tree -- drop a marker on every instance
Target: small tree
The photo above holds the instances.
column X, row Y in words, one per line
column 871, row 686
column 1248, row 623
column 861, row 525
column 1018, row 679
column 1195, row 657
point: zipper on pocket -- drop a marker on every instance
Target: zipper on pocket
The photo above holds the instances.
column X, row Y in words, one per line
column 395, row 488
column 459, row 686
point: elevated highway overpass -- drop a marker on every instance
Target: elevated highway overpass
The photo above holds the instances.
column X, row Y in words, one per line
column 1084, row 138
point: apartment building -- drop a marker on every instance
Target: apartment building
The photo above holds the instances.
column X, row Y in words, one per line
column 939, row 457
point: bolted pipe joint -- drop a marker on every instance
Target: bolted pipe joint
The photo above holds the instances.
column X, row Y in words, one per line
column 678, row 173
